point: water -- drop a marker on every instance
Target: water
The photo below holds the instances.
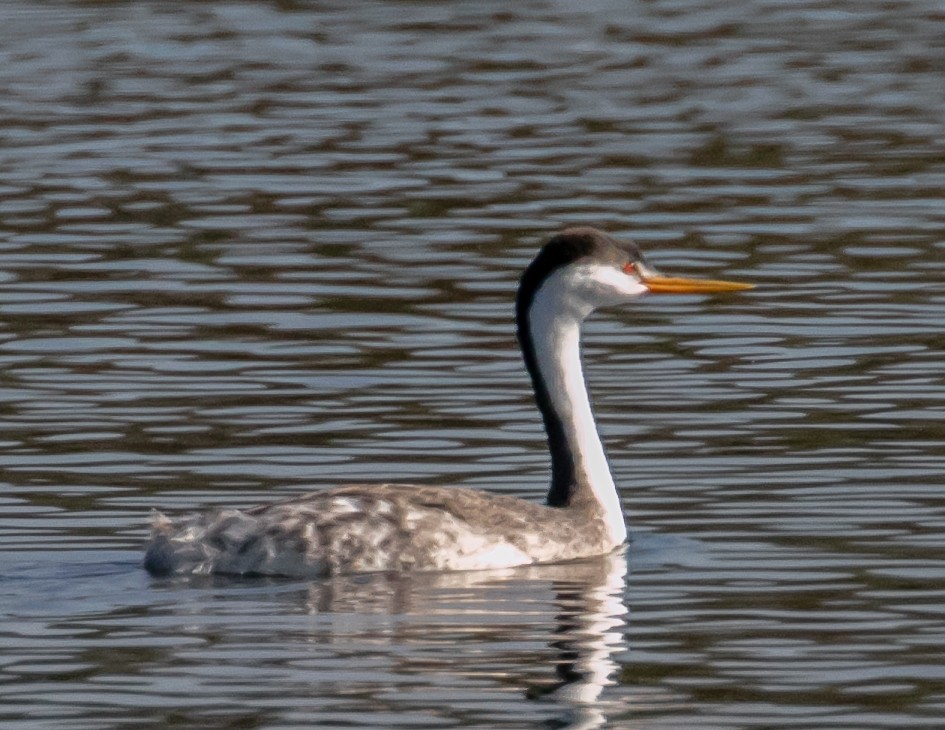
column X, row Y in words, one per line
column 250, row 249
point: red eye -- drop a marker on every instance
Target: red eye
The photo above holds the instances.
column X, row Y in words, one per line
column 630, row 268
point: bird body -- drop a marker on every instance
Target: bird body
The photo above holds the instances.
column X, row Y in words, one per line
column 376, row 527
column 391, row 527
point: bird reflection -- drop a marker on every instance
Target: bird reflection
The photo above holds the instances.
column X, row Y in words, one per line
column 581, row 602
column 589, row 633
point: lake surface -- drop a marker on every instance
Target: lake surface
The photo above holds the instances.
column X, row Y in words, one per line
column 250, row 249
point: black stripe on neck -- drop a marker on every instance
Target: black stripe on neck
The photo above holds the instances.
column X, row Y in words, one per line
column 563, row 249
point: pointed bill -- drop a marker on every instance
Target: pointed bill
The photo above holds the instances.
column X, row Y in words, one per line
column 679, row 285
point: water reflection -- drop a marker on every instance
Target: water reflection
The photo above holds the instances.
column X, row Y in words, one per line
column 586, row 620
column 550, row 633
column 590, row 632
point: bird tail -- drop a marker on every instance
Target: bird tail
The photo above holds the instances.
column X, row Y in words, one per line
column 218, row 541
column 160, row 556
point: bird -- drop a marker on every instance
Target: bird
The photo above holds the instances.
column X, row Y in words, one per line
column 402, row 528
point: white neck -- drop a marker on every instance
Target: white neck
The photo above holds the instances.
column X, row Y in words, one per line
column 555, row 320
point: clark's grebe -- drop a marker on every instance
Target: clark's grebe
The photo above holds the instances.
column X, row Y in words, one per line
column 395, row 527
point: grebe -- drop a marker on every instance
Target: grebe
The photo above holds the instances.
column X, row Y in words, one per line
column 396, row 527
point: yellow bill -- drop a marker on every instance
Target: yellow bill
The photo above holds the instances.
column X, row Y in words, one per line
column 679, row 285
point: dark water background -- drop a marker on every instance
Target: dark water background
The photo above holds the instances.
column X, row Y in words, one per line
column 253, row 248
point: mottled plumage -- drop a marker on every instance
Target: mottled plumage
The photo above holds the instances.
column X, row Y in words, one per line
column 377, row 527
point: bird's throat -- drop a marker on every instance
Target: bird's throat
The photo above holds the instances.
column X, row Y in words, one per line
column 580, row 472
